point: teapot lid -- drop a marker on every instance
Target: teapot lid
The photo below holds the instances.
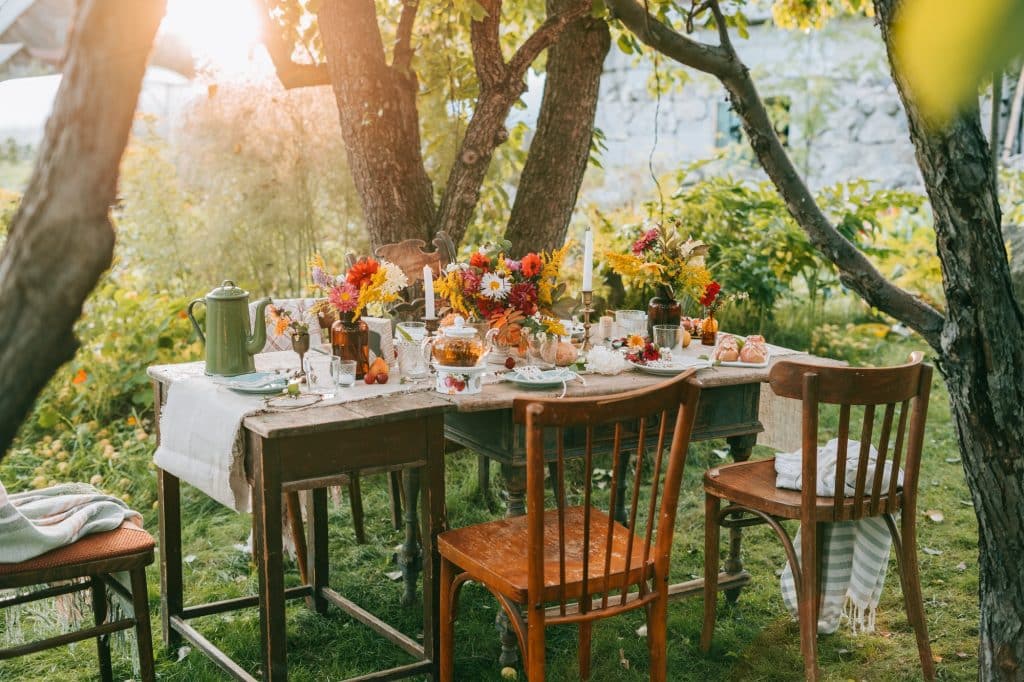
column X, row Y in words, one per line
column 459, row 330
column 228, row 291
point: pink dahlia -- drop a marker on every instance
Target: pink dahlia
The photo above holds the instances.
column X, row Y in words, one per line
column 344, row 297
column 645, row 242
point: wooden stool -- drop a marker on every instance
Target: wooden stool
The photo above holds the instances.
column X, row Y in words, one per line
column 94, row 557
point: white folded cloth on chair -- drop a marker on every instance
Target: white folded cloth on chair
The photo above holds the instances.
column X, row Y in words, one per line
column 855, row 553
column 38, row 521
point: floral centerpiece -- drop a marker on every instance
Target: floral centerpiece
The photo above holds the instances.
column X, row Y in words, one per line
column 513, row 296
column 369, row 285
column 659, row 257
column 713, row 299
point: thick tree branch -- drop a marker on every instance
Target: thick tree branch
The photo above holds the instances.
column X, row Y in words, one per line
column 486, row 44
column 500, row 88
column 61, row 239
column 290, row 73
column 560, row 148
column 402, row 59
column 543, row 38
column 707, row 58
column 856, row 271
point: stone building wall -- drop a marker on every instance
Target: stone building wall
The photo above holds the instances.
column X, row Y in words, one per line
column 845, row 119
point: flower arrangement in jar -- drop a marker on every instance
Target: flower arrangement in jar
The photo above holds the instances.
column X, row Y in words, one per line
column 513, row 296
column 369, row 285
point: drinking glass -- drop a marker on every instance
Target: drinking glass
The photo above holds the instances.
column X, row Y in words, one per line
column 318, row 372
column 666, row 336
column 632, row 322
column 411, row 360
column 343, row 371
column 417, row 330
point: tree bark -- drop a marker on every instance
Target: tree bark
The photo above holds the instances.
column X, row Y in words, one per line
column 501, row 85
column 560, row 150
column 982, row 358
column 61, row 239
column 379, row 123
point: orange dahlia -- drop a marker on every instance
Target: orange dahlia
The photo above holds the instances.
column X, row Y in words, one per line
column 362, row 272
column 530, row 265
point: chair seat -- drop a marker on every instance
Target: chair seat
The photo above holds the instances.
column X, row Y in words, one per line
column 752, row 485
column 496, row 553
column 127, row 541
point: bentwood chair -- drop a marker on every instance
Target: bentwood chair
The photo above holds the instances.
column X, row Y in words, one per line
column 749, row 489
column 581, row 554
column 90, row 564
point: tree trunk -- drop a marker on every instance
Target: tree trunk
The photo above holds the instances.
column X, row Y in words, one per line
column 560, row 149
column 61, row 239
column 379, row 123
column 982, row 358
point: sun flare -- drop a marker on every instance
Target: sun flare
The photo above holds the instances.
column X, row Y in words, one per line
column 221, row 34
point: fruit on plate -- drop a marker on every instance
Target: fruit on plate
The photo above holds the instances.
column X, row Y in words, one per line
column 510, row 362
column 378, row 370
column 754, row 350
column 565, row 354
column 685, row 339
column 728, row 349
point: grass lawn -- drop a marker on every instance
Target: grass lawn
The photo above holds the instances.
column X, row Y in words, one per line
column 755, row 640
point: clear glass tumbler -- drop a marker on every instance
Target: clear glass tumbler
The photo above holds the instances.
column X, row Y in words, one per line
column 666, row 336
column 343, row 371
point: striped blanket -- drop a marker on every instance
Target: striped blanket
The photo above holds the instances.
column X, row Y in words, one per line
column 37, row 521
column 855, row 553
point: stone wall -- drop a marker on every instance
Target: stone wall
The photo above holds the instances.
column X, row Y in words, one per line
column 845, row 119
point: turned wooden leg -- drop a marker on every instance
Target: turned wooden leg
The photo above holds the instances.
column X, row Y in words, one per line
column 712, row 505
column 410, row 557
column 740, row 448
column 355, row 500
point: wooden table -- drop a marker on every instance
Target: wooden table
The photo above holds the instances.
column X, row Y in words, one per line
column 306, row 450
column 728, row 408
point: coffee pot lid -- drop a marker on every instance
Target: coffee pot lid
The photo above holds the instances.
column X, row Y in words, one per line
column 228, row 290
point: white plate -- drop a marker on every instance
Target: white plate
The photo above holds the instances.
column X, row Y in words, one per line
column 259, row 383
column 667, row 369
column 548, row 378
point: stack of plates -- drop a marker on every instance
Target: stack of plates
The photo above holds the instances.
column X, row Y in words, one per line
column 256, row 382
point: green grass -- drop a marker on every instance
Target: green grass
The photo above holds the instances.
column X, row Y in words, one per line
column 754, row 640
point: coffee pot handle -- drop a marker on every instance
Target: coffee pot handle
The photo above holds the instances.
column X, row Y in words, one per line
column 199, row 331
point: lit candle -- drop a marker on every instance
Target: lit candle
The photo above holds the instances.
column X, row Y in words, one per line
column 428, row 292
column 588, row 261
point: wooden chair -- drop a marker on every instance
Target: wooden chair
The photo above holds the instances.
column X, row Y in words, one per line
column 749, row 487
column 577, row 562
column 90, row 564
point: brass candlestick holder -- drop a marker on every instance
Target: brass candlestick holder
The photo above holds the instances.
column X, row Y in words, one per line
column 588, row 301
column 432, row 324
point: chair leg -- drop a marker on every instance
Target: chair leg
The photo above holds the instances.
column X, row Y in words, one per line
column 912, row 594
column 535, row 643
column 586, row 629
column 447, row 634
column 657, row 632
column 712, row 505
column 355, row 500
column 298, row 531
column 808, row 599
column 99, row 613
column 395, row 491
column 143, row 633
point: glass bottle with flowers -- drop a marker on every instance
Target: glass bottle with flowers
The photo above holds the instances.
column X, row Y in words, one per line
column 368, row 283
column 713, row 299
column 660, row 258
column 513, row 296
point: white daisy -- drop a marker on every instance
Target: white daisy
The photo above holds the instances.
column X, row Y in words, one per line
column 494, row 287
column 395, row 280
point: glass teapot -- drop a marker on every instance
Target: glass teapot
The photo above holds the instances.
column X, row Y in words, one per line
column 459, row 344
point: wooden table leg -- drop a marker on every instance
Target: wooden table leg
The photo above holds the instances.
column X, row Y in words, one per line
column 514, row 480
column 171, row 584
column 409, row 557
column 434, row 523
column 740, row 447
column 269, row 557
column 316, row 544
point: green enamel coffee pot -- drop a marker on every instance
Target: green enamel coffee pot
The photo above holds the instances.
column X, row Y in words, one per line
column 229, row 346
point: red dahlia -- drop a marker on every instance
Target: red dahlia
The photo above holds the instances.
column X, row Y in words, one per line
column 523, row 297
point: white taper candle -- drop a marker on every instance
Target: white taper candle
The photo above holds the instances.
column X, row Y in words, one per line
column 588, row 261
column 428, row 292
